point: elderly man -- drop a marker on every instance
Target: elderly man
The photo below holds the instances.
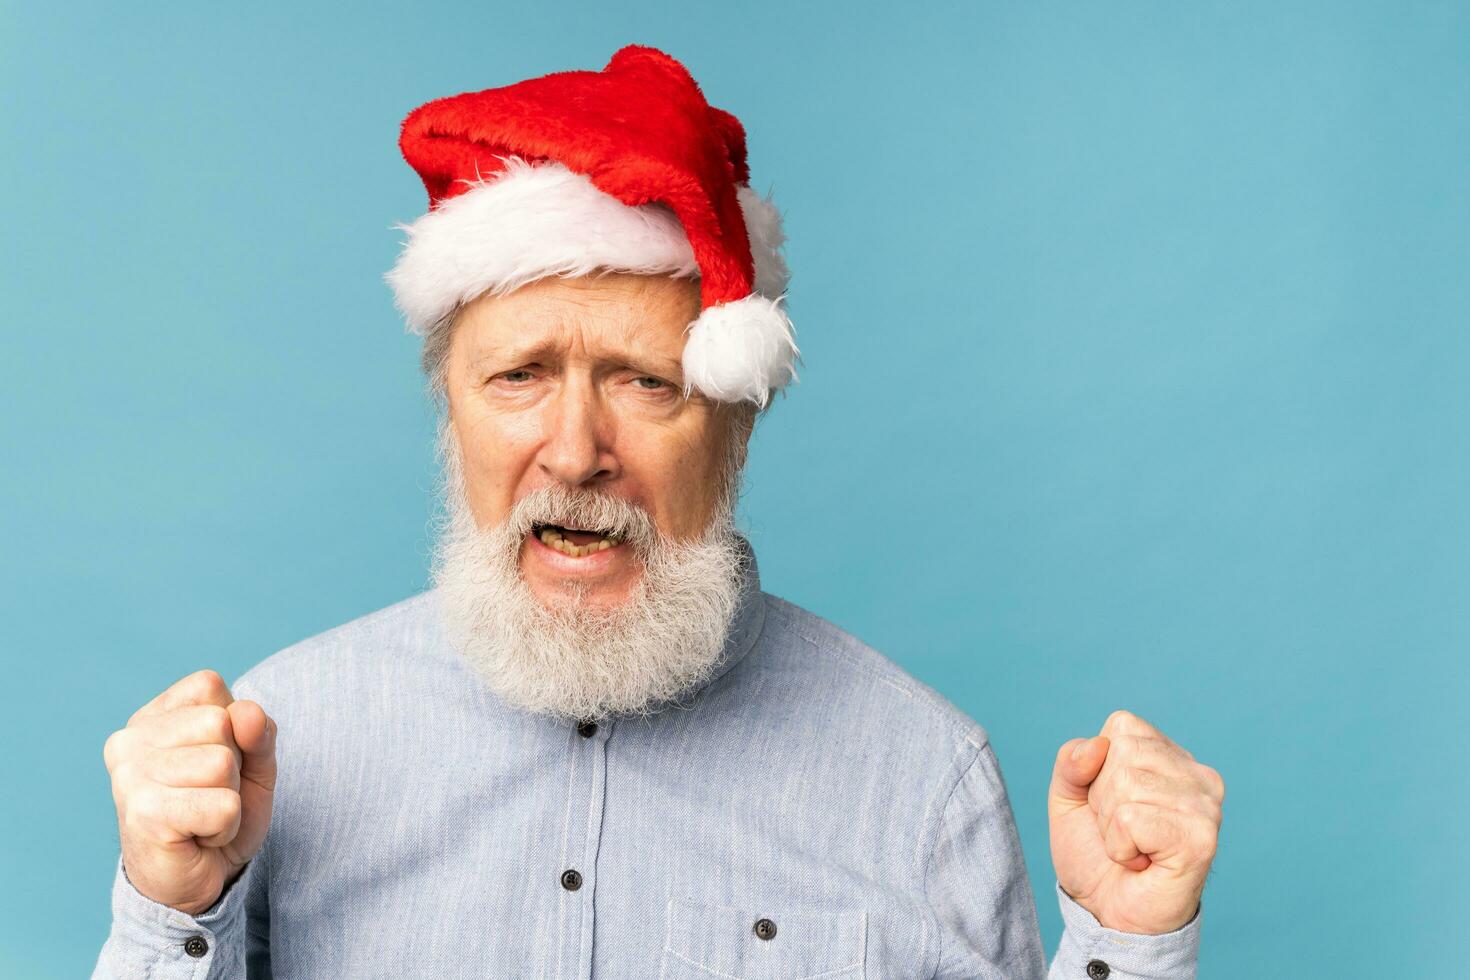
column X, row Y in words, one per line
column 596, row 747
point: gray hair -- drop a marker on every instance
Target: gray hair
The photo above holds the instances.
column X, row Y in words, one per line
column 434, row 357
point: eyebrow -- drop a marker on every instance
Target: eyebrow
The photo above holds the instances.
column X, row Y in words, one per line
column 550, row 350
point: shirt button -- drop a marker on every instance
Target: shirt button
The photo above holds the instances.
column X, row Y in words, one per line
column 587, row 729
column 571, row 879
column 765, row 928
column 1098, row 970
column 195, row 946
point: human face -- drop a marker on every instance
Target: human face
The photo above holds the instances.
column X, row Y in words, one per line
column 578, row 382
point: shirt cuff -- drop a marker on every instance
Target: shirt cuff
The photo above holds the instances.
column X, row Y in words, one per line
column 1090, row 951
column 153, row 940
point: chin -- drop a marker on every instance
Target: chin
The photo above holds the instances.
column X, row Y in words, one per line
column 570, row 593
column 558, row 582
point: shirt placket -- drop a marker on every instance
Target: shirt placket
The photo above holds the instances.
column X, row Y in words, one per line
column 581, row 835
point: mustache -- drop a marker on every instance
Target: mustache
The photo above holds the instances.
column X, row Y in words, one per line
column 588, row 510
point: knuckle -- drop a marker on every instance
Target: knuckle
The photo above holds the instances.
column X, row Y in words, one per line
column 205, row 684
column 209, row 808
column 133, row 824
column 112, row 749
column 124, row 774
column 216, row 722
column 1213, row 781
column 145, row 805
column 219, row 764
column 1129, row 721
column 1118, row 848
column 1206, row 842
column 1129, row 748
column 1125, row 780
column 227, row 808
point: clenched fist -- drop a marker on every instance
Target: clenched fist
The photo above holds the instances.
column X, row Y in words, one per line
column 1134, row 822
column 192, row 775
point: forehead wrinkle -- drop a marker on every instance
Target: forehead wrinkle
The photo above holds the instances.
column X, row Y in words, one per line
column 633, row 344
column 552, row 334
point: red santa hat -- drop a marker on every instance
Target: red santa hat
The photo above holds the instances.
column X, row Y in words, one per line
column 627, row 169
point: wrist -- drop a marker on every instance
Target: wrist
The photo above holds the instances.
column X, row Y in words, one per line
column 1154, row 925
column 189, row 904
column 1154, row 956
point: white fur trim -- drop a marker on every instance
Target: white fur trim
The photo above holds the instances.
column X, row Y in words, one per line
column 741, row 351
column 536, row 220
column 763, row 228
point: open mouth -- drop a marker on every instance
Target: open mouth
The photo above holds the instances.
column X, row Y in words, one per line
column 575, row 542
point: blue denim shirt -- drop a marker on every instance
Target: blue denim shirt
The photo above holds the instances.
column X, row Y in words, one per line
column 812, row 811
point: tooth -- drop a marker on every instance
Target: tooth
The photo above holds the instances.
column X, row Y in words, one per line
column 604, row 544
column 547, row 536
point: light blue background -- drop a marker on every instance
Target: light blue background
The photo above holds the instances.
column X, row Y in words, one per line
column 1136, row 375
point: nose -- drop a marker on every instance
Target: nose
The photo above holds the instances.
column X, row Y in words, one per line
column 576, row 448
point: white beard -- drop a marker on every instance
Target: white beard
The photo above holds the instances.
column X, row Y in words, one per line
column 573, row 660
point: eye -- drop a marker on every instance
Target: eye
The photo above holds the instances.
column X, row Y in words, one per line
column 519, row 374
column 649, row 384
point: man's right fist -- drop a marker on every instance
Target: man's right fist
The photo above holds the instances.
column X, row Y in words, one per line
column 192, row 775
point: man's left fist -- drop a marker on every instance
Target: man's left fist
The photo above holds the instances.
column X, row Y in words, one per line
column 1134, row 821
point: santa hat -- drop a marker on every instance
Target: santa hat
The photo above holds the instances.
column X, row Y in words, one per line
column 627, row 169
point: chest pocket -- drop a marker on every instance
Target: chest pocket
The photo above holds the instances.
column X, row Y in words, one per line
column 723, row 941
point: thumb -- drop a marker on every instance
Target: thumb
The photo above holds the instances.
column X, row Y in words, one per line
column 255, row 735
column 1078, row 763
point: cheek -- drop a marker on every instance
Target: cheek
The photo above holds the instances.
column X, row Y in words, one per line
column 680, row 476
column 496, row 453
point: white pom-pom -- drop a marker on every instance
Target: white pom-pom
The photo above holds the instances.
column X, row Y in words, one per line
column 741, row 351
